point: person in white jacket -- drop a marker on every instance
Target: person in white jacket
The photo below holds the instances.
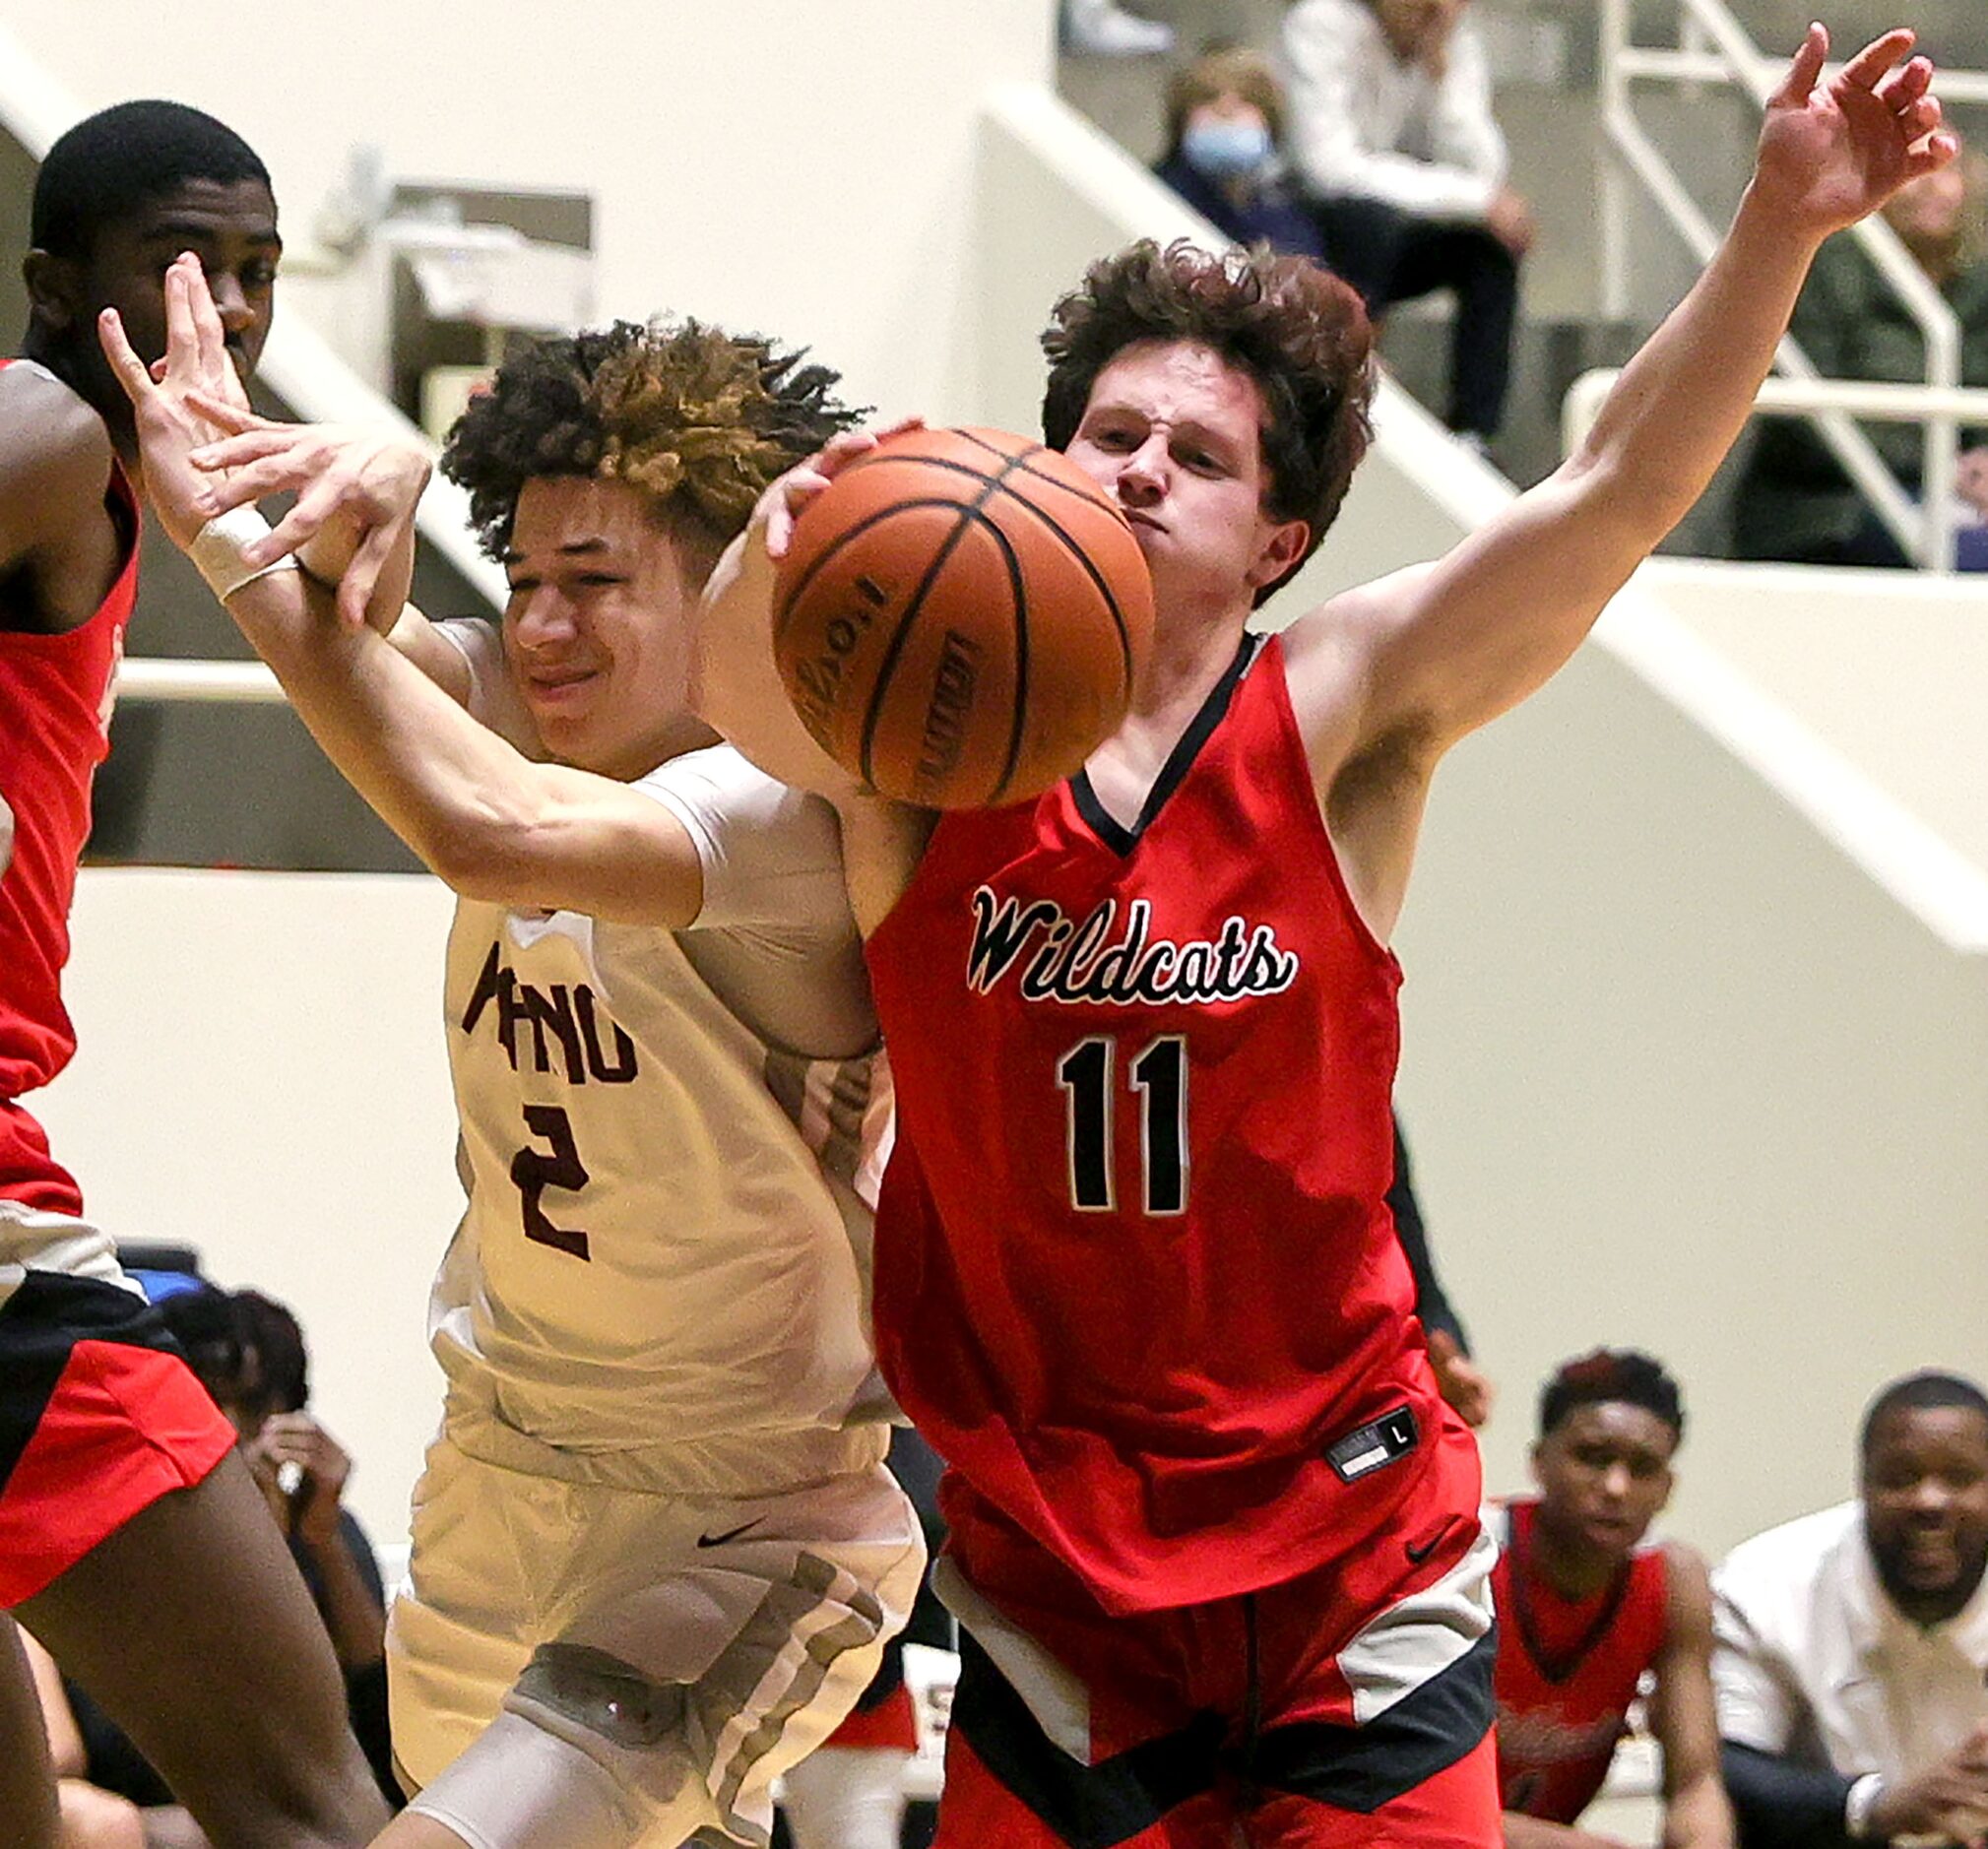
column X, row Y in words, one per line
column 1393, row 141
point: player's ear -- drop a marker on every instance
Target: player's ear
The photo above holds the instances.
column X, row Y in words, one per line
column 54, row 290
column 1283, row 547
column 1532, row 1464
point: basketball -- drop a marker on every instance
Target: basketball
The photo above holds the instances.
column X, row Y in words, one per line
column 960, row 617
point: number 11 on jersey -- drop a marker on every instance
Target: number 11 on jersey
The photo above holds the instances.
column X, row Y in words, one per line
column 1087, row 1074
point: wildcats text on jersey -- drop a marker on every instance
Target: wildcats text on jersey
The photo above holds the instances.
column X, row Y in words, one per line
column 556, row 1016
column 1072, row 962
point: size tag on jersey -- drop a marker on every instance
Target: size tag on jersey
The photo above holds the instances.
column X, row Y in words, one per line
column 1374, row 1446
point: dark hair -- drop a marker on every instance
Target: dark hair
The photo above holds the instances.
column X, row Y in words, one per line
column 271, row 1333
column 1223, row 70
column 697, row 421
column 113, row 163
column 1611, row 1373
column 204, row 1324
column 239, row 1341
column 1293, row 327
column 1925, row 1389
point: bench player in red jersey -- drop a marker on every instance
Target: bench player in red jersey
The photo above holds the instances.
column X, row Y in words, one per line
column 133, row 1542
column 1215, row 1536
column 1587, row 1610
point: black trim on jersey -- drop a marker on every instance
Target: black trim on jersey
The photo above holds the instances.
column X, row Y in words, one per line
column 1179, row 761
column 1556, row 1667
column 1361, row 1768
column 41, row 1324
column 1089, row 1806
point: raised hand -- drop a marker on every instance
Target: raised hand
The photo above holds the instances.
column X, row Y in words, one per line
column 357, row 489
column 1832, row 151
column 169, row 411
column 781, row 505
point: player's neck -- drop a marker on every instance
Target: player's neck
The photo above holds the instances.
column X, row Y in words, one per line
column 1186, row 660
column 679, row 739
column 1573, row 1570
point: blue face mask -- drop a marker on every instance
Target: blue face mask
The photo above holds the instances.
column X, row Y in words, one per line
column 1226, row 149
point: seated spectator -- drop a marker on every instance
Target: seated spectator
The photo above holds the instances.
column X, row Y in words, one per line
column 249, row 1354
column 1392, row 137
column 1589, row 1607
column 1793, row 502
column 1225, row 119
column 1852, row 1645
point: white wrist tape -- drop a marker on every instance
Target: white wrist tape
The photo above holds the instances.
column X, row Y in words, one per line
column 217, row 552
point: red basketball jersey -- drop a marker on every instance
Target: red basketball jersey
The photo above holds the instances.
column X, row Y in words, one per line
column 1568, row 1670
column 55, row 694
column 1135, row 1277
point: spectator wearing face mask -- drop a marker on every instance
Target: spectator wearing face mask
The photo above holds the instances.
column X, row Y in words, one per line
column 1225, row 113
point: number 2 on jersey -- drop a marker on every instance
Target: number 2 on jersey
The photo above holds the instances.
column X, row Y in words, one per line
column 1160, row 1076
column 534, row 1171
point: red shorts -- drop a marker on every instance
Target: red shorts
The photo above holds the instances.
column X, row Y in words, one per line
column 99, row 1417
column 1279, row 1718
column 889, row 1723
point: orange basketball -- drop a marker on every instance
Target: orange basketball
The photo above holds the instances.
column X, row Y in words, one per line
column 960, row 616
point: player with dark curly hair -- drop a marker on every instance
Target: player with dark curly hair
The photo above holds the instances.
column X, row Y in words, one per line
column 1588, row 1608
column 656, row 1553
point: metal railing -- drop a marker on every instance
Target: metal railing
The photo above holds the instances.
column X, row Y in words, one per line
column 1714, row 48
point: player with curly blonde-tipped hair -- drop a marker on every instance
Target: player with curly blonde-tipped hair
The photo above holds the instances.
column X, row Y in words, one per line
column 656, row 1553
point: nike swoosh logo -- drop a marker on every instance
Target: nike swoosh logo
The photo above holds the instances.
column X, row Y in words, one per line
column 1417, row 1555
column 730, row 1534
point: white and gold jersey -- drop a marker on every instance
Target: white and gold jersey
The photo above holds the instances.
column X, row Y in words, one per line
column 662, row 1277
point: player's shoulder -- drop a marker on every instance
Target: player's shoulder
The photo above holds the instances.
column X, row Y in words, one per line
column 1687, row 1584
column 721, row 794
column 48, row 429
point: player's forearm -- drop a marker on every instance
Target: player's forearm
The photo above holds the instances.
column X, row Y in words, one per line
column 479, row 814
column 461, row 798
column 351, row 1614
column 1534, row 1832
column 1696, row 1814
column 1683, row 400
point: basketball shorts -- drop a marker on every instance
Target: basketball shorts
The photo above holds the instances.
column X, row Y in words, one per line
column 99, row 1417
column 572, row 1662
column 1278, row 1720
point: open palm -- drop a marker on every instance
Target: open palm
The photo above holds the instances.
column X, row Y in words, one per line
column 1831, row 152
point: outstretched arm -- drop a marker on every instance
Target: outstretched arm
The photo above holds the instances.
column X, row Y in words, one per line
column 1684, row 1716
column 1439, row 649
column 352, row 528
column 488, row 820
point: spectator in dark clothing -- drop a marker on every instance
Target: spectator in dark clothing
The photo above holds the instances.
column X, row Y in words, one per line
column 1224, row 119
column 1794, row 502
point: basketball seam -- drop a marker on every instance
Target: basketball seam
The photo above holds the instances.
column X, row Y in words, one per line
column 1063, row 532
column 873, row 718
